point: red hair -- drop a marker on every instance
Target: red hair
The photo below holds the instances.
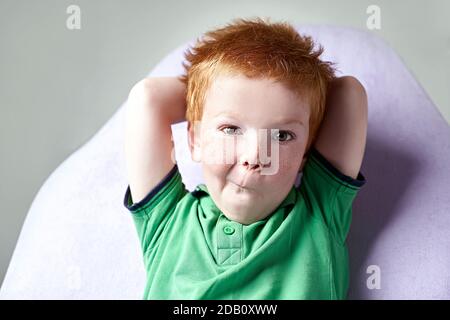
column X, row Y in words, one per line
column 258, row 49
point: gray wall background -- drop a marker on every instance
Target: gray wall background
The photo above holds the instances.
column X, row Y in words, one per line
column 59, row 86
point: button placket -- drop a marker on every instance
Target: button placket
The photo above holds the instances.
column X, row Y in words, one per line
column 229, row 241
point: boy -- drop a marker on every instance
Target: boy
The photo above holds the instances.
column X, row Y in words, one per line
column 248, row 232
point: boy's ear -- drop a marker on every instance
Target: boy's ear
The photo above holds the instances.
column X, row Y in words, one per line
column 194, row 141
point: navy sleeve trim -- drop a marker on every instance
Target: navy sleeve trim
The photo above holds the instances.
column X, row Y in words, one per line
column 151, row 194
column 358, row 182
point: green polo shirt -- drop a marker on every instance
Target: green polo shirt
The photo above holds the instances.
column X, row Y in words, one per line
column 191, row 250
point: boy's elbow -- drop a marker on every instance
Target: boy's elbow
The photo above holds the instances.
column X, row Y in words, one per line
column 143, row 92
column 356, row 91
column 348, row 92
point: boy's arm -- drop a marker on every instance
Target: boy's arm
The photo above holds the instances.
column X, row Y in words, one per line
column 153, row 105
column 342, row 135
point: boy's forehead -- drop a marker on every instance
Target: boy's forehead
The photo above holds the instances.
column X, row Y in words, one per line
column 236, row 96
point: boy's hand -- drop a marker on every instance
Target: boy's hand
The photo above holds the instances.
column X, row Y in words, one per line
column 342, row 135
column 153, row 105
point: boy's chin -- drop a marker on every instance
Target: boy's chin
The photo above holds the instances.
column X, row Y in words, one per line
column 240, row 213
column 242, row 219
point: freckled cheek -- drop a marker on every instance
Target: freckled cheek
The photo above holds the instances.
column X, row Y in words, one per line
column 291, row 158
column 214, row 159
column 219, row 150
column 215, row 171
column 288, row 163
column 282, row 174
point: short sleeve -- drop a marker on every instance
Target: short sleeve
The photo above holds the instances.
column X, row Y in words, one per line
column 151, row 214
column 330, row 193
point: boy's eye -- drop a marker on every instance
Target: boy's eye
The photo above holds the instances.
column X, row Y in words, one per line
column 282, row 136
column 229, row 129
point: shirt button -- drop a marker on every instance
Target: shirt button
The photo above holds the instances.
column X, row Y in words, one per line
column 228, row 230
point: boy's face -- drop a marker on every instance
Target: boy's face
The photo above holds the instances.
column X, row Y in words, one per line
column 248, row 168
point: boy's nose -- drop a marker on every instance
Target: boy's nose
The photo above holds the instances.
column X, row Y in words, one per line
column 250, row 155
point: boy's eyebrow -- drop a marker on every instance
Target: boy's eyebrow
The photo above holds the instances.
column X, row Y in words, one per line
column 290, row 121
column 282, row 121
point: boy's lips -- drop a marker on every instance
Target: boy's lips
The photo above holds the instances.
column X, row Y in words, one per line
column 239, row 185
column 244, row 181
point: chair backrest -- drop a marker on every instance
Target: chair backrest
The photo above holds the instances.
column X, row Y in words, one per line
column 78, row 241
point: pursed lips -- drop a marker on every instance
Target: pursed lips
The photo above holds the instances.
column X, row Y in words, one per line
column 242, row 179
column 243, row 183
column 240, row 186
